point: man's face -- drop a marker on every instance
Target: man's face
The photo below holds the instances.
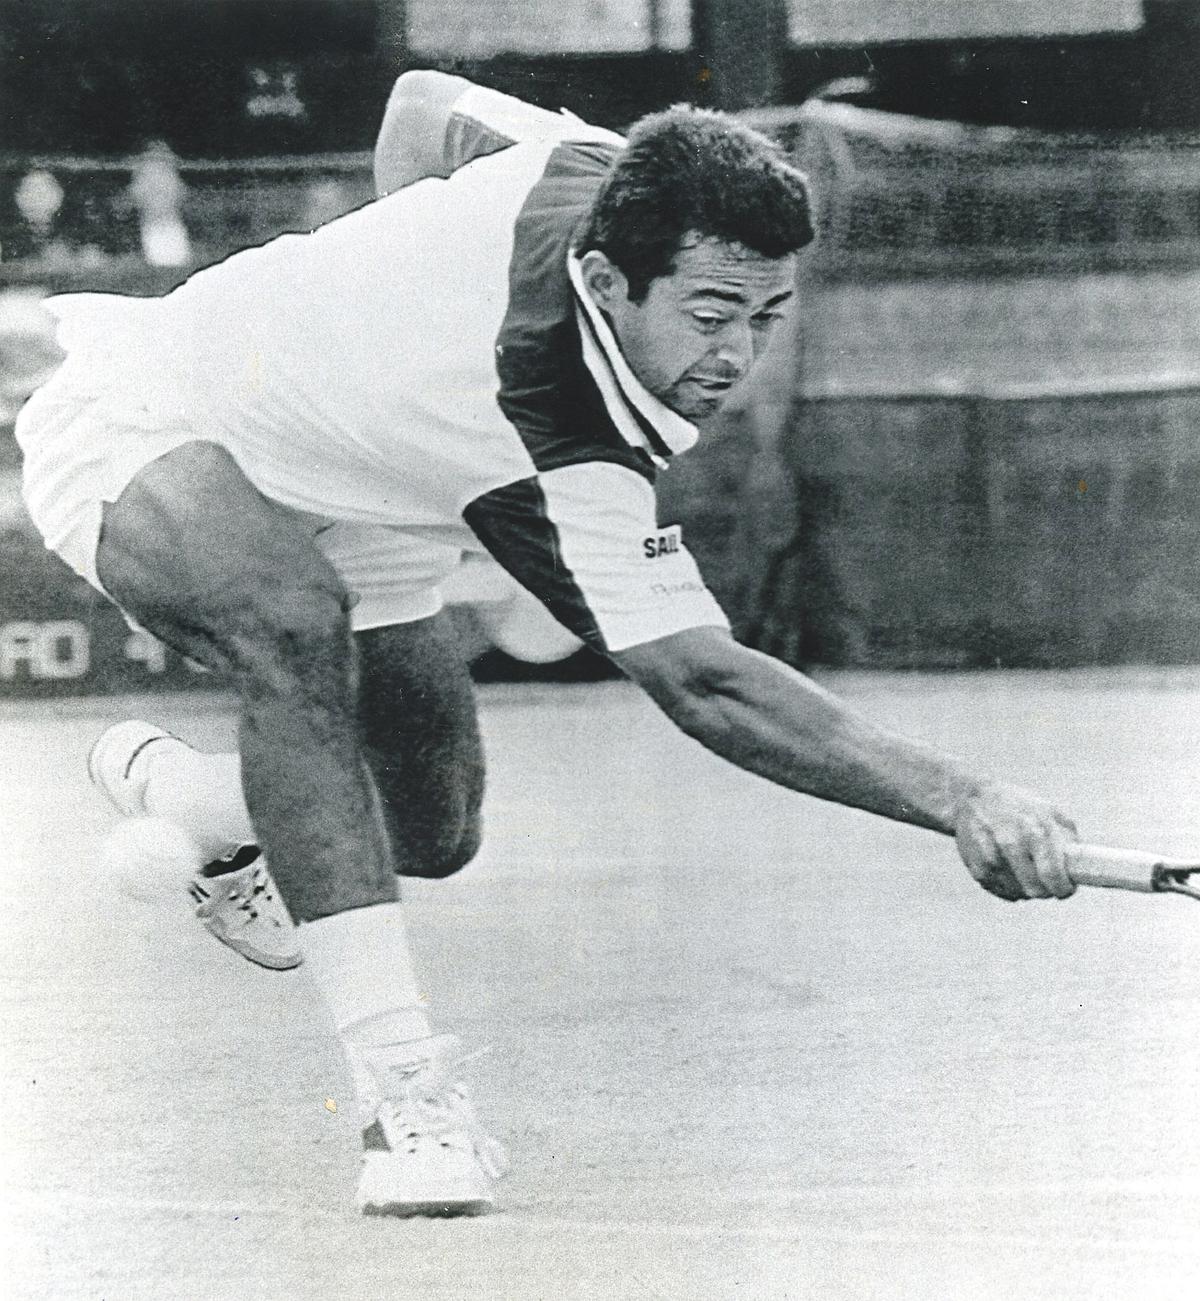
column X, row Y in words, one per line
column 699, row 330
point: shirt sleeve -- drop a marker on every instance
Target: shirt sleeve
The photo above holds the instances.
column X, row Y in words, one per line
column 584, row 540
column 436, row 123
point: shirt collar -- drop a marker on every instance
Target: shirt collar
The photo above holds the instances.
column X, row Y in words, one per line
column 642, row 419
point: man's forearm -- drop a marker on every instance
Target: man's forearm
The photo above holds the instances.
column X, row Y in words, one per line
column 766, row 718
column 770, row 720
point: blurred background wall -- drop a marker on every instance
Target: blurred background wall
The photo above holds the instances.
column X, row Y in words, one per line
column 975, row 447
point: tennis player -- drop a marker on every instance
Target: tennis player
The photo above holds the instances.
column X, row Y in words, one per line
column 272, row 467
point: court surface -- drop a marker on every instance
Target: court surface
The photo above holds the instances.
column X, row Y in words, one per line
column 743, row 1045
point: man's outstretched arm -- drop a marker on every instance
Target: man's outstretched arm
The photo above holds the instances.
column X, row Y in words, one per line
column 770, row 720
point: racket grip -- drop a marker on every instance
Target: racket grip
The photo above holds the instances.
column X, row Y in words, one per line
column 1118, row 869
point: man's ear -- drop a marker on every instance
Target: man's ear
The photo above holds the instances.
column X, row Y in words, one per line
column 604, row 280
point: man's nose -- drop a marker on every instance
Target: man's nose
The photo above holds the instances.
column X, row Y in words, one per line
column 735, row 350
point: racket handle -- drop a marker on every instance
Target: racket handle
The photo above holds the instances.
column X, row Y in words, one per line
column 1121, row 869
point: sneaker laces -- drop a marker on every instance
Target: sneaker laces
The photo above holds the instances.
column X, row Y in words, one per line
column 260, row 890
column 419, row 1101
column 247, row 897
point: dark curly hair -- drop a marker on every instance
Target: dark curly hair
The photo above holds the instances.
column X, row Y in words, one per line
column 695, row 170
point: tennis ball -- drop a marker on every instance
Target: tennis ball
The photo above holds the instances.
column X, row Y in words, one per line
column 149, row 857
column 523, row 628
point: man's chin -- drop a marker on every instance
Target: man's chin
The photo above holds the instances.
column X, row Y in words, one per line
column 698, row 410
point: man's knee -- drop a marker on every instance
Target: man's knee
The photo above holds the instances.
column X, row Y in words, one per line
column 291, row 633
column 468, row 845
column 265, row 628
column 435, row 862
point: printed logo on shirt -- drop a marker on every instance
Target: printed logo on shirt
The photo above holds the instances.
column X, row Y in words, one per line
column 667, row 542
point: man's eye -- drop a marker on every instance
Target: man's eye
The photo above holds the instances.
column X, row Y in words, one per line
column 764, row 320
column 707, row 321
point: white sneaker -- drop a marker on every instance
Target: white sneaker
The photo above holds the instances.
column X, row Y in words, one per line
column 240, row 906
column 243, row 909
column 424, row 1154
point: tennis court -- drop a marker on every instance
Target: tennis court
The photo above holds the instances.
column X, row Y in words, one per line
column 743, row 1045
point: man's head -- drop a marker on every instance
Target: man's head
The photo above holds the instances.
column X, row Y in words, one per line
column 690, row 252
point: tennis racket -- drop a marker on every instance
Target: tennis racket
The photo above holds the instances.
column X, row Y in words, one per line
column 1132, row 869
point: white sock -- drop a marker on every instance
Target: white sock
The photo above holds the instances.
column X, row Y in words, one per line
column 361, row 963
column 200, row 792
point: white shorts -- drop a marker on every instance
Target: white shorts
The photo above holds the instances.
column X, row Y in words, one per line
column 82, row 446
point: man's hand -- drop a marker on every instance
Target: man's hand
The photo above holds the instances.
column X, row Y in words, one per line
column 1014, row 843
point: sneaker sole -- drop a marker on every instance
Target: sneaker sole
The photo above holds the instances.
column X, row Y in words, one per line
column 272, row 961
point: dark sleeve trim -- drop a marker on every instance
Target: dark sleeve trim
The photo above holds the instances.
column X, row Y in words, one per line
column 514, row 524
column 467, row 139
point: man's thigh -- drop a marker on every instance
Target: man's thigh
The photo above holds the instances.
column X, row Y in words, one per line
column 419, row 723
column 195, row 553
